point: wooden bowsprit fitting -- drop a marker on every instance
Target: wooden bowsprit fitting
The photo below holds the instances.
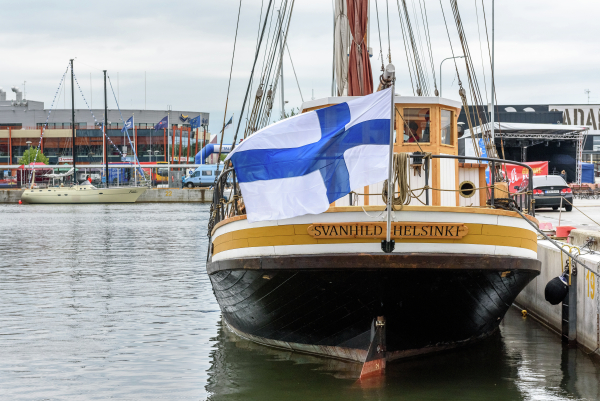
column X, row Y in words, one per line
column 375, row 362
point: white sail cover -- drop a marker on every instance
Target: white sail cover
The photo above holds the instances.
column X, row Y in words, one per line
column 341, row 43
column 52, row 175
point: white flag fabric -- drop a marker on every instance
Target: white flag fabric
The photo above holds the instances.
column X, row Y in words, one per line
column 302, row 164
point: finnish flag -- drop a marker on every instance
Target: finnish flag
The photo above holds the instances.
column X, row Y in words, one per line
column 302, row 164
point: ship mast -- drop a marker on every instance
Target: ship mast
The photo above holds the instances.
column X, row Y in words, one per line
column 105, row 121
column 73, row 124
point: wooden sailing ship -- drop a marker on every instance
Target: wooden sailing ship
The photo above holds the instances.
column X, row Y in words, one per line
column 317, row 283
column 323, row 284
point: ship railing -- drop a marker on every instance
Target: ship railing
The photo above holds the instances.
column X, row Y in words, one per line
column 228, row 202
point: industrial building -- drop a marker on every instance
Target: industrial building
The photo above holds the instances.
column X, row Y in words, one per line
column 22, row 122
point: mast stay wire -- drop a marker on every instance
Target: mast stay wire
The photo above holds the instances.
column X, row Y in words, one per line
column 263, row 104
column 37, row 150
column 421, row 83
column 473, row 84
column 387, row 11
column 487, row 99
column 379, row 32
column 251, row 74
column 280, row 62
column 461, row 91
column 293, row 69
column 421, row 52
column 275, row 66
column 492, row 71
column 141, row 171
column 262, row 3
column 405, row 48
column 252, row 78
column 229, row 86
column 428, row 37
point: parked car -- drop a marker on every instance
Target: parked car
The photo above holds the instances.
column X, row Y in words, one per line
column 548, row 191
column 203, row 176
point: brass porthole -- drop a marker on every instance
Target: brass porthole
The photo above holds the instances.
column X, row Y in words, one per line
column 466, row 189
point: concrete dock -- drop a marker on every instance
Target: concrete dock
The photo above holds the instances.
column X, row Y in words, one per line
column 150, row 196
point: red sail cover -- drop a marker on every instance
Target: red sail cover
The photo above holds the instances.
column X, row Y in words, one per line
column 360, row 76
column 516, row 174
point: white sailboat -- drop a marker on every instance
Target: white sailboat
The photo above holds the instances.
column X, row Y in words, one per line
column 84, row 192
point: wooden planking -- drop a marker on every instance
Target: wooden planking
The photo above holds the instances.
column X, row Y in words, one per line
column 471, row 210
column 483, row 234
column 447, row 181
column 469, row 174
column 483, row 195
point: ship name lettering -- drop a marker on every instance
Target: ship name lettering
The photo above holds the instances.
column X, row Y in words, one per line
column 378, row 230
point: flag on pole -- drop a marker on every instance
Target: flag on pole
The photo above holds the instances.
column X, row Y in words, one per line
column 302, row 164
column 128, row 125
column 196, row 122
column 228, row 124
column 164, row 123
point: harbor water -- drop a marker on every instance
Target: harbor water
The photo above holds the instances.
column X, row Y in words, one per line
column 113, row 301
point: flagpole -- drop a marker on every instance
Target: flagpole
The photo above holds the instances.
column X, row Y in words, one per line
column 389, row 245
column 136, row 161
column 168, row 155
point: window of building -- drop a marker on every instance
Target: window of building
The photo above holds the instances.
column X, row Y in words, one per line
column 596, row 143
column 446, row 127
column 416, row 127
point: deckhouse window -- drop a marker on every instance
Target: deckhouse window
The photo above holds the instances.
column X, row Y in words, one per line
column 446, row 127
column 417, row 122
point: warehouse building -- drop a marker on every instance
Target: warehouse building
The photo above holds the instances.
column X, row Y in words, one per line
column 22, row 122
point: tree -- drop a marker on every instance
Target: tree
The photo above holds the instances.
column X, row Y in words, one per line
column 30, row 154
column 293, row 112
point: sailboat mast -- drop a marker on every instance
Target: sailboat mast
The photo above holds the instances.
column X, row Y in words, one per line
column 105, row 122
column 73, row 123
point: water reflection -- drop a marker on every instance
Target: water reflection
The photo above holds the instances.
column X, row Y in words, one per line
column 113, row 301
column 524, row 361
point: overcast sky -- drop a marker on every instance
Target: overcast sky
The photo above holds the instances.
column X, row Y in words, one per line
column 546, row 51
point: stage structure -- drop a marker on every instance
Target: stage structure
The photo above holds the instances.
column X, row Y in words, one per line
column 521, row 136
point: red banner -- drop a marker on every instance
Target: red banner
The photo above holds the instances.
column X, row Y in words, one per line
column 519, row 176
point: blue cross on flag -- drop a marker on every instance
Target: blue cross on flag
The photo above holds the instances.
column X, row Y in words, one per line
column 162, row 123
column 128, row 124
column 300, row 165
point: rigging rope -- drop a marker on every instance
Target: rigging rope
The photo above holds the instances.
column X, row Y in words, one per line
column 474, row 86
column 379, row 32
column 461, row 91
column 487, row 99
column 428, row 37
column 399, row 176
column 251, row 74
column 229, row 85
column 62, row 80
column 405, row 47
column 422, row 89
column 293, row 69
column 133, row 146
column 387, row 11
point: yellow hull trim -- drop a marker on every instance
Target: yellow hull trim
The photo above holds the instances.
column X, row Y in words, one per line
column 297, row 234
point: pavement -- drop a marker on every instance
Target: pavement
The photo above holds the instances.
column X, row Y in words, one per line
column 574, row 218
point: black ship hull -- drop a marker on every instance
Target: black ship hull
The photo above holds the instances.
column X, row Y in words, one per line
column 327, row 304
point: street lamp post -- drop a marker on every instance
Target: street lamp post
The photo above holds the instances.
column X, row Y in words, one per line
column 441, row 70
